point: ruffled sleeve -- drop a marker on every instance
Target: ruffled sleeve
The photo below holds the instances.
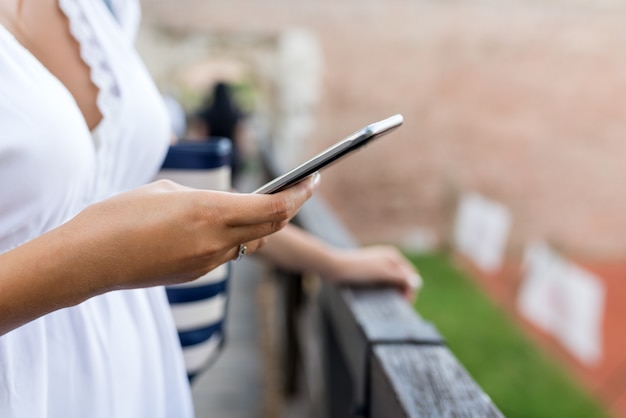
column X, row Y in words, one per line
column 128, row 14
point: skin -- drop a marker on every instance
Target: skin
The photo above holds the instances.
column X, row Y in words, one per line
column 296, row 250
column 117, row 244
column 42, row 28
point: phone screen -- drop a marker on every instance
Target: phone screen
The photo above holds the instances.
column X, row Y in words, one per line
column 332, row 154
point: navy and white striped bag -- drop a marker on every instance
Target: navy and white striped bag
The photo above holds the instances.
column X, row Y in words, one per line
column 199, row 307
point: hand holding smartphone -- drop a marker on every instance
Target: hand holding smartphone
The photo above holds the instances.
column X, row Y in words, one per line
column 333, row 154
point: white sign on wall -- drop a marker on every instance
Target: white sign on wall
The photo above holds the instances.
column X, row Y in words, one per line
column 481, row 231
column 564, row 300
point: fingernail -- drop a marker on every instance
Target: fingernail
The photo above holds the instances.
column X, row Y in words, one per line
column 415, row 281
column 316, row 180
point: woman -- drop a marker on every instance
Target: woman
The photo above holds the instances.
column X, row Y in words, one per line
column 85, row 329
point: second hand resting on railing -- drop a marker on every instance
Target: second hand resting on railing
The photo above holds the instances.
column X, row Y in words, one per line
column 296, row 250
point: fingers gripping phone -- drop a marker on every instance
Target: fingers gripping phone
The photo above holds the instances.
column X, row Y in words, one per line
column 331, row 155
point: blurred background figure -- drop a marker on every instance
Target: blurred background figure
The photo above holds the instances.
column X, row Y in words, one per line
column 220, row 116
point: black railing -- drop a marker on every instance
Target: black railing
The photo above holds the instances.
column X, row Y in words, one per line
column 379, row 357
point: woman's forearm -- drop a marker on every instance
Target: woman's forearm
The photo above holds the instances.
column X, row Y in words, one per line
column 159, row 234
column 42, row 276
column 296, row 250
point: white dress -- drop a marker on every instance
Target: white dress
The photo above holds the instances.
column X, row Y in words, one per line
column 115, row 355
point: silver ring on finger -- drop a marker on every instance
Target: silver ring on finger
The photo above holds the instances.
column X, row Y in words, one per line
column 243, row 250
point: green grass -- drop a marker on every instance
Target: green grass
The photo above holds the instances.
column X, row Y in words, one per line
column 521, row 380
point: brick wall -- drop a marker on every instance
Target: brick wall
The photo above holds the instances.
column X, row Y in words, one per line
column 524, row 102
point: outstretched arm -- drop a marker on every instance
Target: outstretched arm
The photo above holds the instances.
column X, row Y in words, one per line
column 296, row 250
column 162, row 233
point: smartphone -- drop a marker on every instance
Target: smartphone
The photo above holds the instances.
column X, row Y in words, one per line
column 333, row 154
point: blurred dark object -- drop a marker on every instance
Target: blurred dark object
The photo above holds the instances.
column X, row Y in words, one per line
column 220, row 116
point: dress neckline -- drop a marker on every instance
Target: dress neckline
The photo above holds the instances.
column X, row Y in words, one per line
column 92, row 54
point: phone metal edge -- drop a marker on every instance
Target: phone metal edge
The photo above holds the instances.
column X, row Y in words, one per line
column 364, row 134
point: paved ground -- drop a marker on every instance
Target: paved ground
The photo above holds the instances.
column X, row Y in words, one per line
column 246, row 380
column 243, row 381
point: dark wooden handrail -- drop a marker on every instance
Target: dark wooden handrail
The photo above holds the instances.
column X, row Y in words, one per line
column 381, row 359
